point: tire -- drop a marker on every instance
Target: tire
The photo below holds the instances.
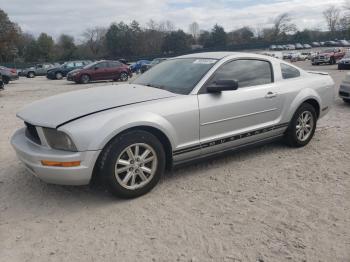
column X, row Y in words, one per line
column 85, row 79
column 6, row 80
column 293, row 135
column 31, row 75
column 124, row 77
column 121, row 184
column 59, row 75
column 346, row 100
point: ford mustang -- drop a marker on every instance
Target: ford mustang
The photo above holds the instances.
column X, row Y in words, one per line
column 186, row 108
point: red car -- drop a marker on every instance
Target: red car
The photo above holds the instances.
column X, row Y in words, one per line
column 329, row 56
column 101, row 70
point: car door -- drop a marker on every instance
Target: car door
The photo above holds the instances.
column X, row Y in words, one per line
column 100, row 71
column 236, row 117
column 39, row 69
column 114, row 69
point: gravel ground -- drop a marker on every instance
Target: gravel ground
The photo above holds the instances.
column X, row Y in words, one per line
column 272, row 203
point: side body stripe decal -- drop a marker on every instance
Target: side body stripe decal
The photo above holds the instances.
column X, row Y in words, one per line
column 229, row 139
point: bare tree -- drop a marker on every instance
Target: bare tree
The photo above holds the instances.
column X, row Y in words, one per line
column 194, row 30
column 332, row 16
column 94, row 38
column 283, row 25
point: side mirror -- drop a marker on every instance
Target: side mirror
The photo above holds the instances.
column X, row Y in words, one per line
column 222, row 85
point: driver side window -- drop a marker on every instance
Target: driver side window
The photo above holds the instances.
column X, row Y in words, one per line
column 247, row 72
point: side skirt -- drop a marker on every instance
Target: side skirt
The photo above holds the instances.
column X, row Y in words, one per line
column 227, row 151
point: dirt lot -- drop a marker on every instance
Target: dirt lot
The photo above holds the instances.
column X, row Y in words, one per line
column 271, row 203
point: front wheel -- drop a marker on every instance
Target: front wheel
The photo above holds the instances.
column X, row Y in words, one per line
column 124, row 77
column 302, row 127
column 31, row 75
column 85, row 79
column 59, row 75
column 132, row 164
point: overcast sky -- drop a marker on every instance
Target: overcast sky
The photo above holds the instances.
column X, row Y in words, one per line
column 73, row 16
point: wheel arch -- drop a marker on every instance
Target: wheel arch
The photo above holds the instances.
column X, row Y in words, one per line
column 306, row 96
column 159, row 134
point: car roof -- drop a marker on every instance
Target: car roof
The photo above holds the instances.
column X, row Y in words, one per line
column 221, row 55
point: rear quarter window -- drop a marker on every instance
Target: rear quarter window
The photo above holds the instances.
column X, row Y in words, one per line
column 289, row 72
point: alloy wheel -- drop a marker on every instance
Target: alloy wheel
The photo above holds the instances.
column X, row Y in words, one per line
column 136, row 166
column 305, row 125
column 124, row 77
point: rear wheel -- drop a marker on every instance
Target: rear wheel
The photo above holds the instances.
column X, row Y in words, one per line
column 59, row 75
column 346, row 100
column 124, row 77
column 132, row 164
column 84, row 79
column 31, row 75
column 302, row 127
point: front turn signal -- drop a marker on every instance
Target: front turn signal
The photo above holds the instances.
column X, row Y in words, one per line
column 60, row 164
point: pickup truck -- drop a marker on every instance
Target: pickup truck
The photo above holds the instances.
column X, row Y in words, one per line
column 329, row 56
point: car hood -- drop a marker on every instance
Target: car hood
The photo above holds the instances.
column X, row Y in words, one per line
column 57, row 110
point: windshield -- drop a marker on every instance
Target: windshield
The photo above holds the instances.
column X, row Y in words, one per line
column 178, row 76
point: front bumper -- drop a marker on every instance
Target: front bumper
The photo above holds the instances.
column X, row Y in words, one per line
column 321, row 60
column 344, row 91
column 73, row 78
column 31, row 155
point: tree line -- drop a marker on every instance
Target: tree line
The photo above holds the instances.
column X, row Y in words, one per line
column 133, row 41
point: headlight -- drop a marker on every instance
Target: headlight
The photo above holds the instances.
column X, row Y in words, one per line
column 59, row 140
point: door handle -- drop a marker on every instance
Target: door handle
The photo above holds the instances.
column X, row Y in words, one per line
column 271, row 95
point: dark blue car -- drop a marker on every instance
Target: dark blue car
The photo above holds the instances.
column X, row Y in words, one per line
column 63, row 70
column 136, row 67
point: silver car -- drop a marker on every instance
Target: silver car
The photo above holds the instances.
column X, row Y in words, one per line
column 344, row 89
column 185, row 108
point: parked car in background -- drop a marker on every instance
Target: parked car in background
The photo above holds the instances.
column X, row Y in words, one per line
column 154, row 62
column 8, row 74
column 273, row 47
column 299, row 46
column 344, row 63
column 136, row 67
column 185, row 108
column 344, row 90
column 64, row 69
column 291, row 47
column 329, row 56
column 101, row 70
column 307, row 46
column 37, row 70
column 331, row 43
column 308, row 55
column 2, row 84
column 315, row 44
column 344, row 43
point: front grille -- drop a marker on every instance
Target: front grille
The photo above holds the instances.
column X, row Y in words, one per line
column 344, row 94
column 32, row 134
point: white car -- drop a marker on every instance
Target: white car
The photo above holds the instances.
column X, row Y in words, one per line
column 185, row 108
